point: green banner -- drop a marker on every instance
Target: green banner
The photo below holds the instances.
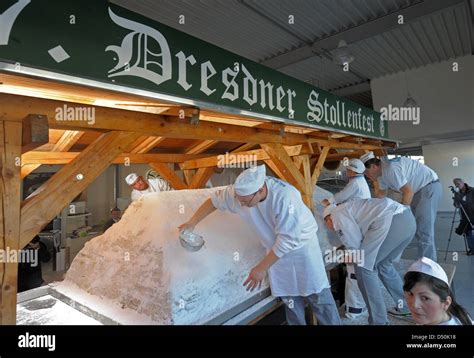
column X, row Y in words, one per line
column 96, row 40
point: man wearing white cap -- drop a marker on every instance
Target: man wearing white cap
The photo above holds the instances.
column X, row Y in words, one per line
column 378, row 230
column 141, row 187
column 420, row 188
column 287, row 229
column 357, row 188
column 429, row 296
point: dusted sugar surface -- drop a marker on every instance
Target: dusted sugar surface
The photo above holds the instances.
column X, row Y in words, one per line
column 138, row 273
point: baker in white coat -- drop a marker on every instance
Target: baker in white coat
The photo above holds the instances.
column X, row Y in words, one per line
column 288, row 230
column 375, row 231
column 141, row 187
column 420, row 188
column 356, row 188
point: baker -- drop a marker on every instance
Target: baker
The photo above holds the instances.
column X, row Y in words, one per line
column 288, row 231
column 381, row 229
column 356, row 188
column 420, row 188
column 141, row 187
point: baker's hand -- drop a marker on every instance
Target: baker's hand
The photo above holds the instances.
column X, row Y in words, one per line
column 325, row 202
column 256, row 276
column 186, row 226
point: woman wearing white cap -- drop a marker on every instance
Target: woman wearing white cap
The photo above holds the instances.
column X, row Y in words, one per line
column 356, row 188
column 141, row 187
column 379, row 229
column 420, row 188
column 287, row 229
column 429, row 296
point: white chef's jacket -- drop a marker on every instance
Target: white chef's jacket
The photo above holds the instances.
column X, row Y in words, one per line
column 401, row 170
column 364, row 224
column 356, row 188
column 286, row 226
column 155, row 185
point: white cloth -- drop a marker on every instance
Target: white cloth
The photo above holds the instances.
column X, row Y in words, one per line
column 399, row 171
column 227, row 177
column 364, row 224
column 355, row 304
column 286, row 226
column 155, row 185
column 357, row 187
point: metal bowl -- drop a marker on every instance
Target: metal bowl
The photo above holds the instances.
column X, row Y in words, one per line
column 191, row 241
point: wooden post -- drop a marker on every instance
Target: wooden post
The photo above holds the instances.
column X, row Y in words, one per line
column 201, row 177
column 167, row 173
column 284, row 166
column 284, row 163
column 308, row 193
column 319, row 165
column 10, row 200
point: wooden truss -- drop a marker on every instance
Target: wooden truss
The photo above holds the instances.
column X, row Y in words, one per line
column 134, row 130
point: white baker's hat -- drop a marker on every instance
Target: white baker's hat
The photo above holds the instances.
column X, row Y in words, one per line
column 328, row 210
column 356, row 165
column 429, row 267
column 131, row 178
column 250, row 181
column 367, row 156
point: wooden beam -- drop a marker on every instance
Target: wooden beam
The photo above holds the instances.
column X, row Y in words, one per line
column 201, row 177
column 147, row 144
column 201, row 147
column 10, row 200
column 167, row 173
column 28, row 169
column 298, row 160
column 283, row 162
column 67, row 141
column 146, row 123
column 308, row 194
column 319, row 165
column 35, row 157
column 188, row 176
column 70, row 181
column 241, row 157
column 17, row 107
column 274, row 168
column 244, row 147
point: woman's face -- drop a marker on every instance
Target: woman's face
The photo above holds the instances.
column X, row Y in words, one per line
column 426, row 306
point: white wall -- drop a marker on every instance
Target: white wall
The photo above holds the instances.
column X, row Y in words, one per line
column 442, row 159
column 446, row 100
